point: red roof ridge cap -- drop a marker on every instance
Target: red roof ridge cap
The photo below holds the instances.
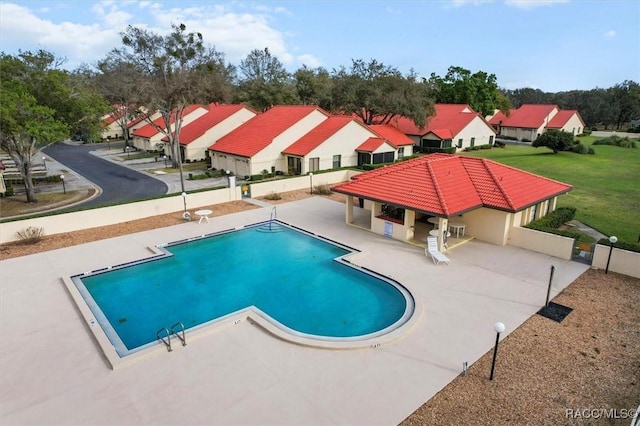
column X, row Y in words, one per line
column 436, row 186
column 498, row 183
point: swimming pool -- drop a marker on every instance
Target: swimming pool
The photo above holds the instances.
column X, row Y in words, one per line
column 300, row 281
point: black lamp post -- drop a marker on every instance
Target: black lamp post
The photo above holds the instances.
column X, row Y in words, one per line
column 499, row 328
column 64, row 188
column 612, row 240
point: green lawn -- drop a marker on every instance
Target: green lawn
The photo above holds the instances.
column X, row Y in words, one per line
column 606, row 186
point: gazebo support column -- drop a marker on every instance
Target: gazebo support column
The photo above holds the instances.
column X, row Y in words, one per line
column 349, row 210
column 443, row 225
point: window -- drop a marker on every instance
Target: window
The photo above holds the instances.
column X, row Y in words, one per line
column 473, row 142
column 383, row 157
column 491, row 140
column 446, row 143
column 401, row 152
column 314, row 164
column 336, row 161
column 460, row 143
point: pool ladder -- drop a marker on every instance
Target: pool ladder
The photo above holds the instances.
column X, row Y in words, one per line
column 179, row 334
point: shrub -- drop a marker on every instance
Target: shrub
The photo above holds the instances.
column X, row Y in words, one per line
column 322, row 190
column 273, row 196
column 555, row 140
column 616, row 141
column 555, row 219
column 579, row 148
column 621, row 245
column 254, row 178
column 30, row 235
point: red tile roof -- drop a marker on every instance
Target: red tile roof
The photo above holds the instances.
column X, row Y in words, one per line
column 257, row 133
column 147, row 131
column 529, row 116
column 370, row 145
column 198, row 127
column 446, row 123
column 448, row 185
column 395, row 137
column 498, row 117
column 562, row 117
column 317, row 135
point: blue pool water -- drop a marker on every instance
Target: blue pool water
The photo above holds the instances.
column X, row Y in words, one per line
column 289, row 275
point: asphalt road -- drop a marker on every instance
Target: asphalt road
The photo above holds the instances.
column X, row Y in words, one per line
column 118, row 183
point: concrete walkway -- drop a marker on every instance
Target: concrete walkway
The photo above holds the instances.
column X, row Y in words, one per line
column 53, row 372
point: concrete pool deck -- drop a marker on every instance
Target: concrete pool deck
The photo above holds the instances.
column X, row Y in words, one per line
column 53, row 372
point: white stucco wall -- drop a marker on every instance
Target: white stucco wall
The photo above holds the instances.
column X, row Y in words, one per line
column 196, row 150
column 573, row 125
column 149, row 144
column 344, row 143
column 477, row 129
column 622, row 261
column 487, row 225
column 541, row 242
column 271, row 155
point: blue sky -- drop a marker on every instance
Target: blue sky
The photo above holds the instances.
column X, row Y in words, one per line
column 552, row 45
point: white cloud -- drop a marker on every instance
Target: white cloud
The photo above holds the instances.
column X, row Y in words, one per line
column 78, row 42
column 460, row 3
column 610, row 33
column 531, row 4
column 309, row 60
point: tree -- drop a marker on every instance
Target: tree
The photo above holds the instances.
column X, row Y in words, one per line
column 171, row 72
column 313, row 86
column 478, row 90
column 625, row 101
column 555, row 140
column 264, row 81
column 119, row 83
column 378, row 93
column 40, row 105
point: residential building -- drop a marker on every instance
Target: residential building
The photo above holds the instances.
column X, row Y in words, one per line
column 149, row 137
column 529, row 121
column 196, row 137
column 452, row 126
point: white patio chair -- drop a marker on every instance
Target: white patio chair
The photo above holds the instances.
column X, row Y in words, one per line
column 432, row 251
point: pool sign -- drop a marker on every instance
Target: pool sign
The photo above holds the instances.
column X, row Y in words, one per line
column 388, row 229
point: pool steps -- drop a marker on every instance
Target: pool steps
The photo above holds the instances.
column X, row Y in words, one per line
column 172, row 332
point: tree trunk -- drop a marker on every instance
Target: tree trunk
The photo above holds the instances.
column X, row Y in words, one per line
column 175, row 154
column 28, row 182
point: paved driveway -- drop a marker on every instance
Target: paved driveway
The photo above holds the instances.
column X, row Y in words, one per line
column 53, row 372
column 118, row 183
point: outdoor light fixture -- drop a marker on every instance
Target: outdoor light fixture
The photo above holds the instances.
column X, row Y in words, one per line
column 44, row 162
column 499, row 328
column 311, row 183
column 64, row 188
column 184, row 199
column 612, row 240
column 164, row 157
column 128, row 151
column 228, row 172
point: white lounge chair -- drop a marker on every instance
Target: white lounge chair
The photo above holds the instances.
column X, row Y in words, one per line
column 433, row 252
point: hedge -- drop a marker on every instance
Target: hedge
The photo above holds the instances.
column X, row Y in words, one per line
column 635, row 247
